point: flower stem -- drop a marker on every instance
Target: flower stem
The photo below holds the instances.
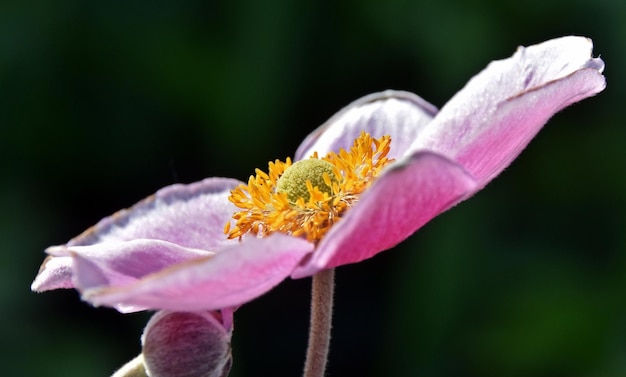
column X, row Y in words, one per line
column 321, row 319
column 134, row 368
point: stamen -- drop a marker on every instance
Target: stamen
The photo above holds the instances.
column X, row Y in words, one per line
column 306, row 198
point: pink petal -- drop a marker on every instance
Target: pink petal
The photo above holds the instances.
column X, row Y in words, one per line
column 409, row 194
column 490, row 121
column 235, row 275
column 116, row 264
column 186, row 344
column 190, row 215
column 54, row 273
column 402, row 115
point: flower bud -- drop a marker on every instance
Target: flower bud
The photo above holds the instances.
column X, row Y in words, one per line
column 177, row 344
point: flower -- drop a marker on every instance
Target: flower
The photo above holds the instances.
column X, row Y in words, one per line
column 408, row 163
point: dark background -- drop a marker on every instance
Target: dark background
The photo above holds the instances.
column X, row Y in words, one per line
column 104, row 102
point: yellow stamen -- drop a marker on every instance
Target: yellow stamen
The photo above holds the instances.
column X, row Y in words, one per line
column 310, row 204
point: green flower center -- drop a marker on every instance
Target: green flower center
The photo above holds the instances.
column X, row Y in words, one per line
column 294, row 179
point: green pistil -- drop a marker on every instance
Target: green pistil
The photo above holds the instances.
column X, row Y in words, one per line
column 293, row 180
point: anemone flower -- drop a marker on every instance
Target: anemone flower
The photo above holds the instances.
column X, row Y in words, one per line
column 364, row 181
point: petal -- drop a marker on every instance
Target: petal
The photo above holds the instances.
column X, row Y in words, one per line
column 186, row 344
column 54, row 273
column 402, row 115
column 490, row 121
column 190, row 215
column 409, row 194
column 235, row 275
column 116, row 264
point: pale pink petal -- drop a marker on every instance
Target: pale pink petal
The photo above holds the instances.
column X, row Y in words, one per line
column 193, row 216
column 407, row 195
column 186, row 344
column 121, row 263
column 54, row 273
column 490, row 121
column 402, row 115
column 190, row 215
column 235, row 275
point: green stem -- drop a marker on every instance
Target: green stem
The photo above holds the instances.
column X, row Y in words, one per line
column 321, row 319
column 134, row 368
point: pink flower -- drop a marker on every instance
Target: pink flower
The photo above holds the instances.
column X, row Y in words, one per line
column 170, row 251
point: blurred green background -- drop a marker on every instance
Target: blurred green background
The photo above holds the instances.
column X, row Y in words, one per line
column 104, row 102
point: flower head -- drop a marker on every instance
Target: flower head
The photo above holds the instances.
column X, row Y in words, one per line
column 364, row 181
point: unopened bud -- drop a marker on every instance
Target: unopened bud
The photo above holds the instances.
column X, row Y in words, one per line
column 177, row 344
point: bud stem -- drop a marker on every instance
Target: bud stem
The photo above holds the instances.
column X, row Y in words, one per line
column 323, row 286
column 134, row 368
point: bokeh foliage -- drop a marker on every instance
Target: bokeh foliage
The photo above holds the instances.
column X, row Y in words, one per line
column 103, row 102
